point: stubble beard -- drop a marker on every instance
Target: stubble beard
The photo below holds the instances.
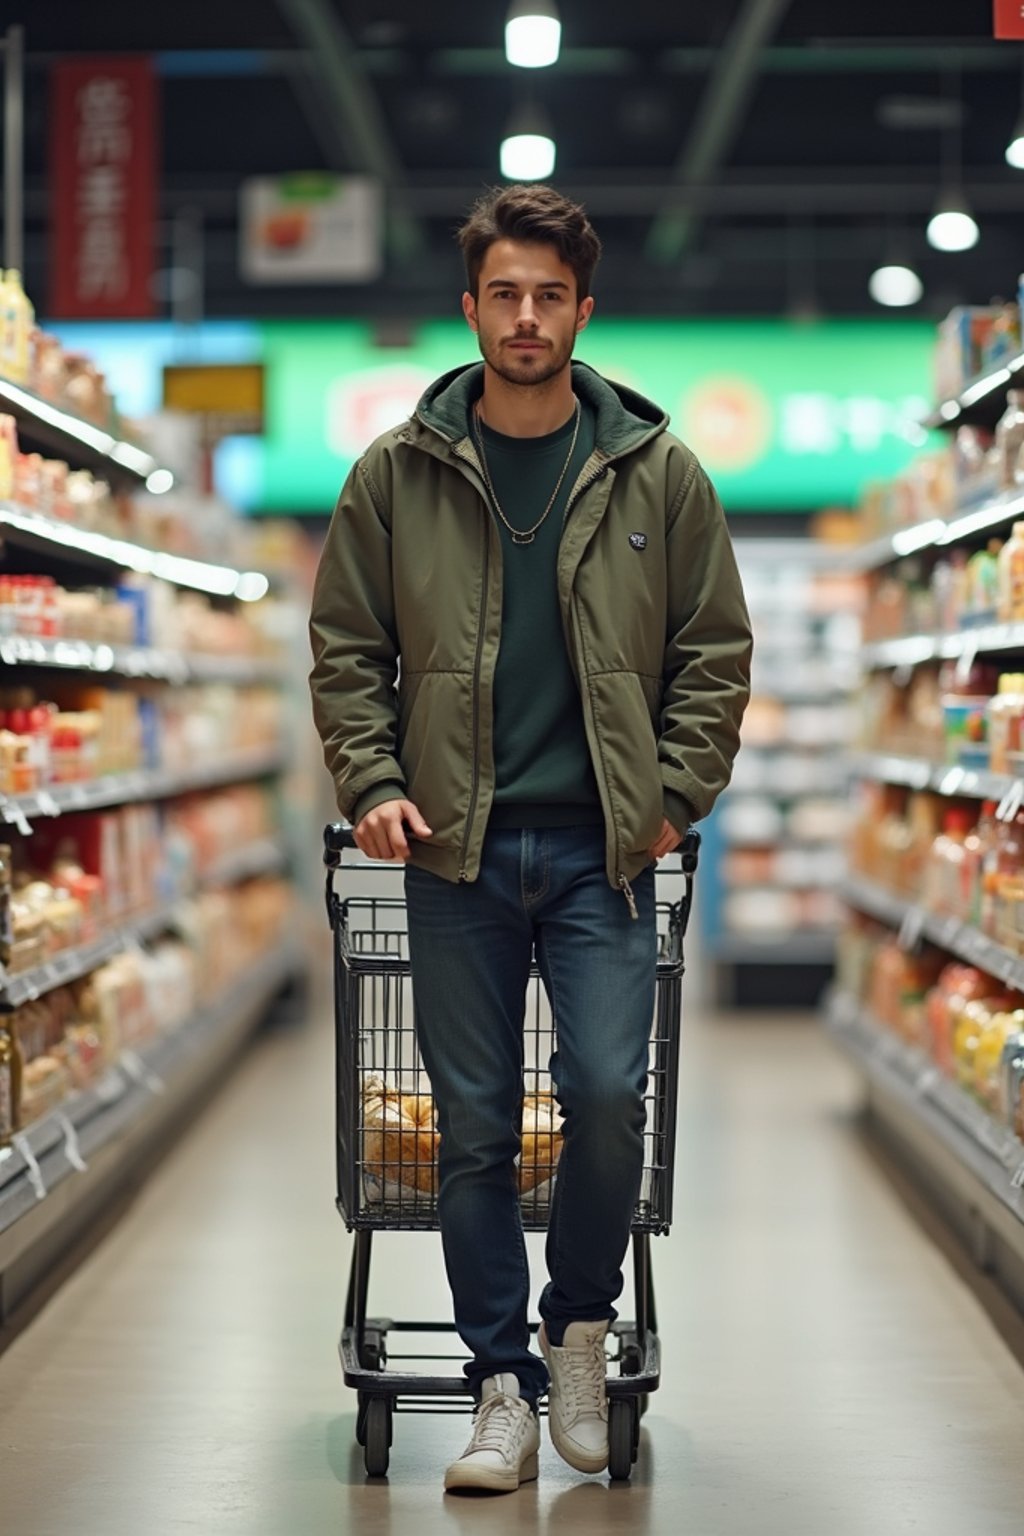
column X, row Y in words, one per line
column 530, row 370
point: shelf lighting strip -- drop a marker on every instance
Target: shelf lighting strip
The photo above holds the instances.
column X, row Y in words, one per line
column 217, row 580
column 126, row 455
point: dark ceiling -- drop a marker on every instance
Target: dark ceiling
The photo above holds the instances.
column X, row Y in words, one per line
column 746, row 156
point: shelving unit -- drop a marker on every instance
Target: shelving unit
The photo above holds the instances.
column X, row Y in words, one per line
column 142, row 663
column 971, row 1165
column 59, row 1170
column 772, row 845
column 70, row 1163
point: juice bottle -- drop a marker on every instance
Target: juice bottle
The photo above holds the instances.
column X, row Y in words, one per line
column 980, row 875
column 1009, row 867
column 1005, row 712
column 943, row 893
column 20, row 318
column 6, row 330
column 1010, row 585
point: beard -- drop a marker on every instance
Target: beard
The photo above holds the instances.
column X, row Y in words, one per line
column 527, row 369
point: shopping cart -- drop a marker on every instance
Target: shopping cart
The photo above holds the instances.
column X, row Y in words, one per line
column 387, row 1155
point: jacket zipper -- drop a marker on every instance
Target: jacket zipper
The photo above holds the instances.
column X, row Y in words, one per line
column 582, row 485
column 470, row 458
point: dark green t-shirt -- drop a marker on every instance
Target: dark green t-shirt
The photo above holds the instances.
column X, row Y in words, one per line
column 543, row 772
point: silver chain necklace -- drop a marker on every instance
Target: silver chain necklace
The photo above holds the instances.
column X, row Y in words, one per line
column 523, row 535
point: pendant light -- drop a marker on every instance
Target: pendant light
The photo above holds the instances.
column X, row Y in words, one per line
column 952, row 226
column 894, row 282
column 533, row 33
column 528, row 148
column 1015, row 148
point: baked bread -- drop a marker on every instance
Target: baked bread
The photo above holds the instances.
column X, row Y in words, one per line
column 401, row 1140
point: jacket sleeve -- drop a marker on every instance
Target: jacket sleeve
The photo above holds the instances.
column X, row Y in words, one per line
column 355, row 649
column 707, row 651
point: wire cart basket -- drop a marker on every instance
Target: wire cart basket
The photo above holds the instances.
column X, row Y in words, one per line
column 386, row 1147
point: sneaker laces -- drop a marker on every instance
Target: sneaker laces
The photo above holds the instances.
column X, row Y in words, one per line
column 497, row 1422
column 586, row 1378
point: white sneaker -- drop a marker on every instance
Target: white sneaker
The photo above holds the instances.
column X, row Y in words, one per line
column 578, row 1400
column 506, row 1439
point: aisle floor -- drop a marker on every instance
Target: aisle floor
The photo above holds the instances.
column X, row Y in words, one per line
column 826, row 1368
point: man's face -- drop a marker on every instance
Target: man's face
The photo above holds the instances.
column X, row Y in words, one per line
column 525, row 315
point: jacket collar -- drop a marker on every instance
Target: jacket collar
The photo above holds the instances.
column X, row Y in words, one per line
column 625, row 419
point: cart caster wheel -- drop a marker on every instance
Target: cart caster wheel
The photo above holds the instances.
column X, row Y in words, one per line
column 377, row 1430
column 620, row 1439
column 637, row 1416
column 362, row 1401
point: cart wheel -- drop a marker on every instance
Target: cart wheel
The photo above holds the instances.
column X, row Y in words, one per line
column 620, row 1439
column 634, row 1403
column 378, row 1436
column 362, row 1403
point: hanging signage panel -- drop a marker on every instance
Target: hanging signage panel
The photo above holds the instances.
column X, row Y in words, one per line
column 1009, row 18
column 311, row 229
column 784, row 418
column 104, row 174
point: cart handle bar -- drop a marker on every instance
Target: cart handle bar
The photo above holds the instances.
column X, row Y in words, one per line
column 339, row 836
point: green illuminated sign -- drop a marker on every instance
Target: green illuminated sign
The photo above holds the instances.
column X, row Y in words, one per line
column 783, row 417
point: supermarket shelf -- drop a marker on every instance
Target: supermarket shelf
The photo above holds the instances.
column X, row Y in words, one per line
column 246, row 863
column 911, row 650
column 975, row 1158
column 128, row 788
column 59, row 540
column 139, row 662
column 940, row 778
column 81, row 443
column 807, row 948
column 915, row 923
column 71, row 964
column 936, row 532
column 97, row 1132
column 981, row 401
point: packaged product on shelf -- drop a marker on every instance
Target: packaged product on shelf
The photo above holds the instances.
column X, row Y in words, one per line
column 1011, row 577
column 944, row 874
column 8, row 456
column 10, row 1081
column 1005, row 723
column 960, row 348
column 17, row 319
column 6, row 895
column 1010, row 439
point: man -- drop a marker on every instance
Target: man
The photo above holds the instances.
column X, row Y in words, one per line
column 552, row 568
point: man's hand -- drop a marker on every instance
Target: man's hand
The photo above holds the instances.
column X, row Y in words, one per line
column 668, row 840
column 381, row 835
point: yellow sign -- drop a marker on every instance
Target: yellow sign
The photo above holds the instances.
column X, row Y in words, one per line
column 217, row 389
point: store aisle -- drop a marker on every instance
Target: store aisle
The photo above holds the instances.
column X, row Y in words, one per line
column 826, row 1369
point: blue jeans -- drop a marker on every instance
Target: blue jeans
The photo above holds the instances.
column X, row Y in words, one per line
column 471, row 947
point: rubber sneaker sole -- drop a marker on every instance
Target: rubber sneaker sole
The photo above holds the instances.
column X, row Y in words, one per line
column 463, row 1475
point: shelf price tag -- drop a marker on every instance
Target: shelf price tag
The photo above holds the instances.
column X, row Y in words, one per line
column 72, row 1150
column 32, row 1168
column 912, row 928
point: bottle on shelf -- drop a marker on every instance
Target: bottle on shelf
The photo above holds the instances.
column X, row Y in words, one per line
column 18, row 318
column 944, row 876
column 10, row 1081
column 1005, row 717
column 1010, row 438
column 1010, row 605
column 1009, row 885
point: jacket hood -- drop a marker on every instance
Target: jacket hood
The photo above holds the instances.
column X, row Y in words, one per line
column 625, row 419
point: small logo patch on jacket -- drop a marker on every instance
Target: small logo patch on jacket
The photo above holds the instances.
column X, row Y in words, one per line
column 638, row 540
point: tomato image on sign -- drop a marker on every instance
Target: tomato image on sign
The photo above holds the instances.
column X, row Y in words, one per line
column 727, row 422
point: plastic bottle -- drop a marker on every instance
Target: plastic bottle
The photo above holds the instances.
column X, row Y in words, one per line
column 1009, row 867
column 945, row 869
column 1010, row 602
column 7, row 319
column 1005, row 712
column 1009, row 438
column 19, row 323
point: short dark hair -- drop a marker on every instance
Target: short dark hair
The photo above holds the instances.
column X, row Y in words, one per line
column 533, row 214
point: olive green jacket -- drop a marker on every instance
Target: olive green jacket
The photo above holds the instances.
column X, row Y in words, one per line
column 655, row 623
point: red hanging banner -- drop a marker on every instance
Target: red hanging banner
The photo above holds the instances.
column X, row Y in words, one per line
column 104, row 173
column 1009, row 18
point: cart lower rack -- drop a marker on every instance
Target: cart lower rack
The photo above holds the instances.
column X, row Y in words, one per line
column 387, row 1143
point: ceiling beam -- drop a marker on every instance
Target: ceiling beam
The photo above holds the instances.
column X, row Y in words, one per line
column 721, row 110
column 345, row 113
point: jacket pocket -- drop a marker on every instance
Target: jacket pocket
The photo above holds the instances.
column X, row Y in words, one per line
column 629, row 757
column 435, row 749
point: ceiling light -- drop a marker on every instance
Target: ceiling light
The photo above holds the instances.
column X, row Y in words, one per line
column 1015, row 148
column 895, row 286
column 533, row 33
column 953, row 228
column 528, row 149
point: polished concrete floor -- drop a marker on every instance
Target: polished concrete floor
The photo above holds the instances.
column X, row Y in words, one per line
column 828, row 1372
